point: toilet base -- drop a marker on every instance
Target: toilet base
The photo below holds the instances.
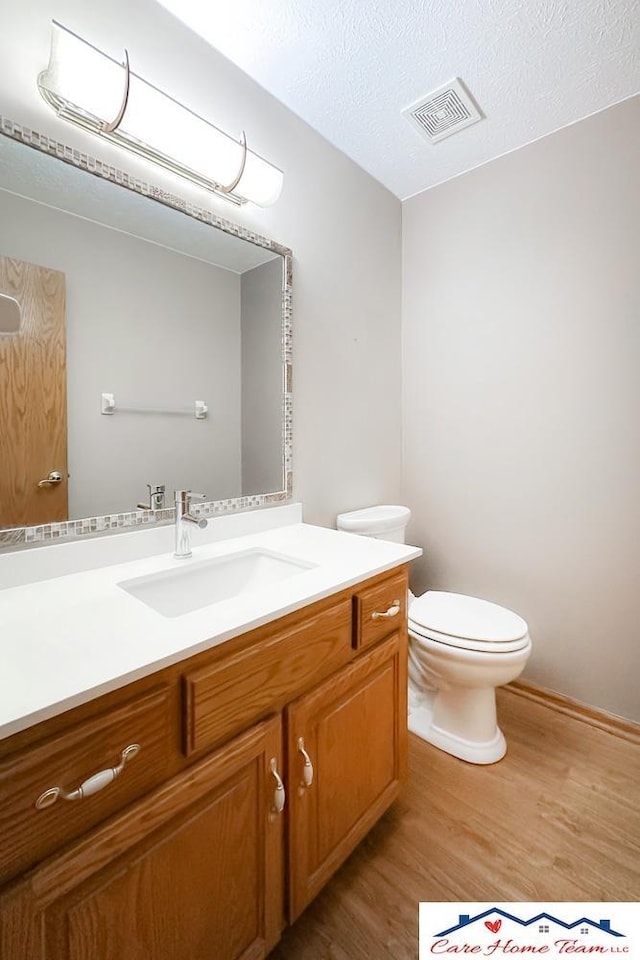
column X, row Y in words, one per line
column 473, row 751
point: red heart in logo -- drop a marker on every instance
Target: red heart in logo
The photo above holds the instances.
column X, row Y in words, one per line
column 494, row 927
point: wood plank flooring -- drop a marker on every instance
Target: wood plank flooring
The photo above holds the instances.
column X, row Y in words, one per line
column 557, row 819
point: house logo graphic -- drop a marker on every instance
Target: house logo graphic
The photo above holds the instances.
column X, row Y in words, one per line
column 537, row 931
column 543, row 920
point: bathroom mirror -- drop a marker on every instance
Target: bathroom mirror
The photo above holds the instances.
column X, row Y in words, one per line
column 146, row 339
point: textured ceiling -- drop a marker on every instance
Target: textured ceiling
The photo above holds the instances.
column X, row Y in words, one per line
column 348, row 67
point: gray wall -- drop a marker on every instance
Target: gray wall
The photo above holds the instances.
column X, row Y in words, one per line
column 156, row 329
column 261, row 313
column 343, row 226
column 522, row 397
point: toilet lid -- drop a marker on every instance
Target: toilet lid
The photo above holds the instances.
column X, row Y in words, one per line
column 374, row 519
column 466, row 618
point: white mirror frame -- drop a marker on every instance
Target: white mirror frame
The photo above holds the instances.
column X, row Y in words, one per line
column 138, row 519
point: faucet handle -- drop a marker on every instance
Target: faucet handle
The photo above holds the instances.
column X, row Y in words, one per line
column 183, row 496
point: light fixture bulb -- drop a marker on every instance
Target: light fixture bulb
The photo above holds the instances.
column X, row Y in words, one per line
column 88, row 88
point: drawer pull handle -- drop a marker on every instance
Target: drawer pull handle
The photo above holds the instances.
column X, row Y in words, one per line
column 95, row 783
column 393, row 611
column 307, row 770
column 279, row 796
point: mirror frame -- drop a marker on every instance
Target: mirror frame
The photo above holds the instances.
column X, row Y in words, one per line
column 138, row 519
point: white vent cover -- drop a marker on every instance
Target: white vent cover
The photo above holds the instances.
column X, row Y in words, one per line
column 443, row 112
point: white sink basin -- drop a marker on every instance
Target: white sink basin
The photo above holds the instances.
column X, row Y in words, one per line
column 198, row 584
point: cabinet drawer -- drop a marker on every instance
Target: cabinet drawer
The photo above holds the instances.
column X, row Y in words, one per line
column 229, row 695
column 28, row 834
column 380, row 610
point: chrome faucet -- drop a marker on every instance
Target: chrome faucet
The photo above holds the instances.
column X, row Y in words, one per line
column 183, row 521
column 156, row 498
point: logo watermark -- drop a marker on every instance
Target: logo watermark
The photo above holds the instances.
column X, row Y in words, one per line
column 549, row 930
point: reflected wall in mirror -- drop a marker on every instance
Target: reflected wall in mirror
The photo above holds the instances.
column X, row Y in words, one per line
column 177, row 341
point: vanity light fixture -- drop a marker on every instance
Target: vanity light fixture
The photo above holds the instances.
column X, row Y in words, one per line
column 87, row 87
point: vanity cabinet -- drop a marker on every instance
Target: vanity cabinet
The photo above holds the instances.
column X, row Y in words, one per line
column 200, row 856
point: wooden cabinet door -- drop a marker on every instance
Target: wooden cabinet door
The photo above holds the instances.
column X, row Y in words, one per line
column 354, row 728
column 191, row 872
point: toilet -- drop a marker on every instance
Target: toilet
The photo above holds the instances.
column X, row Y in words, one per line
column 460, row 649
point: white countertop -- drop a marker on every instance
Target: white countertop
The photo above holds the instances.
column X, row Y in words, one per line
column 70, row 638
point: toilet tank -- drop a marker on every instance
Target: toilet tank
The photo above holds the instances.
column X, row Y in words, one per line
column 386, row 522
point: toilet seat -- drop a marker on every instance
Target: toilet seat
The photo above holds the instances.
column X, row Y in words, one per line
column 419, row 634
column 467, row 622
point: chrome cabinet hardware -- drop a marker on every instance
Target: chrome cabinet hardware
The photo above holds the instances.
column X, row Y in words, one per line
column 279, row 795
column 307, row 770
column 393, row 611
column 95, row 783
column 54, row 477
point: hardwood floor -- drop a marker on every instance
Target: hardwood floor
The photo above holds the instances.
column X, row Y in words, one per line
column 557, row 819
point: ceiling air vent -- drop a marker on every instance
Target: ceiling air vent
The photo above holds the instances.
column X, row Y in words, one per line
column 443, row 112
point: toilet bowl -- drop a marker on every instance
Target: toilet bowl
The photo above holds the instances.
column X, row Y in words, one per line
column 460, row 649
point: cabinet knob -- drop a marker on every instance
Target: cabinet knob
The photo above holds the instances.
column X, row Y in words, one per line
column 307, row 770
column 279, row 795
column 94, row 784
column 393, row 611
